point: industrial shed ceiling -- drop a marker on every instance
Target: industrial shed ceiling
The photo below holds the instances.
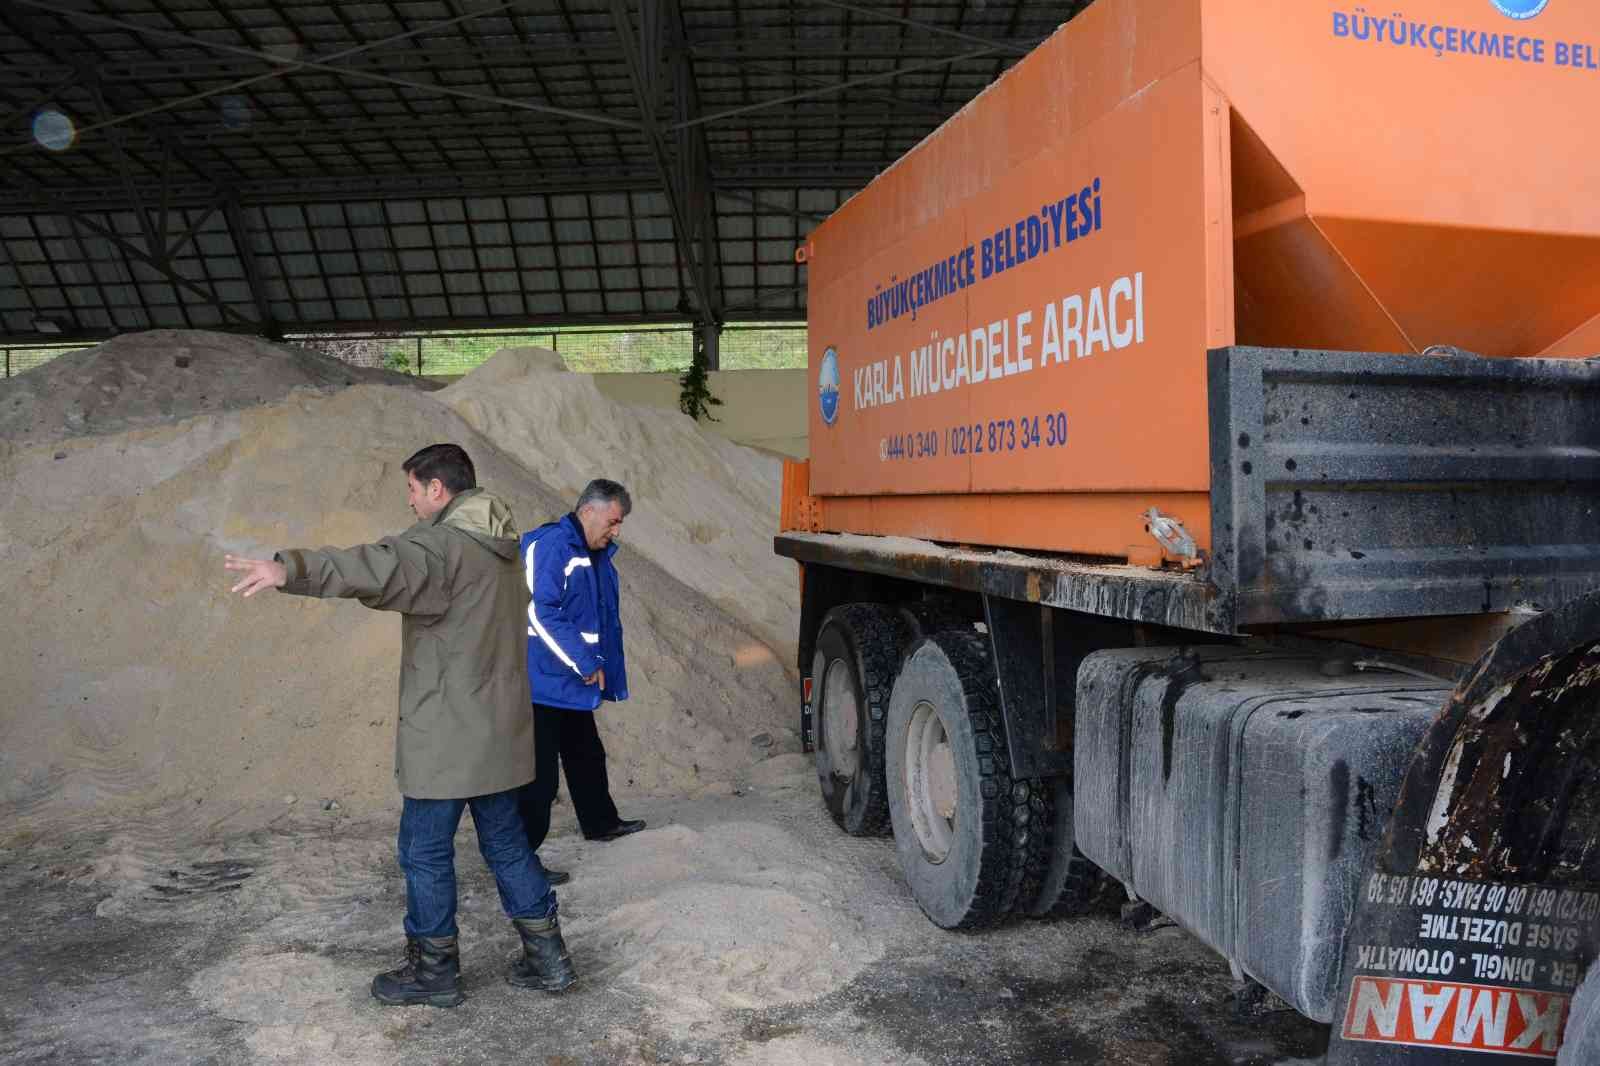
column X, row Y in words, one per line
column 293, row 166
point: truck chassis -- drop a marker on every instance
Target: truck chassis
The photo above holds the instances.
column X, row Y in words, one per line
column 1284, row 748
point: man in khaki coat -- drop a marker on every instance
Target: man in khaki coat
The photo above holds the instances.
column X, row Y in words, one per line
column 464, row 739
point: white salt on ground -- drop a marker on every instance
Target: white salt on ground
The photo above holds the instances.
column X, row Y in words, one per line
column 738, row 917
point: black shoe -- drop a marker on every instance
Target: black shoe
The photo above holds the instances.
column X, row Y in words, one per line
column 557, row 877
column 544, row 963
column 621, row 829
column 431, row 975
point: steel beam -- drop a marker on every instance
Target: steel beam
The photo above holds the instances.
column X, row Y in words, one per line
column 844, row 176
column 682, row 222
column 763, row 294
column 133, row 251
column 342, row 131
column 785, row 48
column 125, row 172
column 839, row 87
column 433, row 58
column 292, row 65
column 694, row 158
column 897, row 102
column 652, row 34
column 189, row 234
column 769, row 206
column 153, row 229
column 711, row 47
column 240, row 234
column 177, row 69
column 989, row 45
column 33, row 96
column 446, row 322
column 94, row 275
column 22, row 283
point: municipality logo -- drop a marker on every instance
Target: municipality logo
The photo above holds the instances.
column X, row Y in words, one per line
column 1520, row 9
column 828, row 386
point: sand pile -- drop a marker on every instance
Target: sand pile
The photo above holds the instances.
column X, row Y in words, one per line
column 736, row 917
column 144, row 379
column 741, row 916
column 685, row 922
column 705, row 509
column 134, row 678
column 674, row 931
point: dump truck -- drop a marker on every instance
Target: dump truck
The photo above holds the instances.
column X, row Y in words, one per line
column 1203, row 502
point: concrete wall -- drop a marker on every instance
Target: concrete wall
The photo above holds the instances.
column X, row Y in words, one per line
column 763, row 408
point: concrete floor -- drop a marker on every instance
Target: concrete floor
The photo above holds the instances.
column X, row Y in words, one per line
column 137, row 944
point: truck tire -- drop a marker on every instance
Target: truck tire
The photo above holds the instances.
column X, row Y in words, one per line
column 1580, row 1046
column 922, row 618
column 858, row 651
column 1032, row 824
column 1070, row 883
column 960, row 823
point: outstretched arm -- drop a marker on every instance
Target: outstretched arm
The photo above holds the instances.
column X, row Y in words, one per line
column 394, row 574
column 258, row 574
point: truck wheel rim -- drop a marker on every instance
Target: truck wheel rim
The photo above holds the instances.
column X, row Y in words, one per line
column 931, row 782
column 839, row 725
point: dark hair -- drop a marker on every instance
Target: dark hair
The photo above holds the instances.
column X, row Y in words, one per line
column 602, row 491
column 447, row 462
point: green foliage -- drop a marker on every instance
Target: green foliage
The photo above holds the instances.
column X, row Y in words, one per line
column 609, row 350
column 763, row 347
column 695, row 399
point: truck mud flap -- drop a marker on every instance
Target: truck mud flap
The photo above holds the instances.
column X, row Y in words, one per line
column 808, row 725
column 1481, row 915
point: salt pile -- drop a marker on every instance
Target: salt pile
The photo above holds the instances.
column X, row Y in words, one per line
column 744, row 916
column 134, row 679
column 705, row 509
column 145, row 379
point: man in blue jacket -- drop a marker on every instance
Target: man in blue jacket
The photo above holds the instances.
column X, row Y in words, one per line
column 575, row 660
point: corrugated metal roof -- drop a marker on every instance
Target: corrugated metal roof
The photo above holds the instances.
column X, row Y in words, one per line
column 300, row 166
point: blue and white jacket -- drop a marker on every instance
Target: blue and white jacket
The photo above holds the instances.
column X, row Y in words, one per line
column 574, row 627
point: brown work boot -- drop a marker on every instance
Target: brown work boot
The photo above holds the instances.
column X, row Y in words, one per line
column 431, row 975
column 544, row 963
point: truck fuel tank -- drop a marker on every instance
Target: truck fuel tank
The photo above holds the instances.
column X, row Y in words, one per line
column 1244, row 790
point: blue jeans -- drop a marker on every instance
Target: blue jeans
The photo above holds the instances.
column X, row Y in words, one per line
column 428, row 853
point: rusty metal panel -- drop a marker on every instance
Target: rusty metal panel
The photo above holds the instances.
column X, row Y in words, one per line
column 1478, row 919
column 1177, row 599
column 1353, row 485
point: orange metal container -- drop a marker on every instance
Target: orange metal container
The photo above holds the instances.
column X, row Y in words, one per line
column 1009, row 327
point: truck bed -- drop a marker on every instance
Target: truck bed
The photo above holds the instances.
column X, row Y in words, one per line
column 1132, row 593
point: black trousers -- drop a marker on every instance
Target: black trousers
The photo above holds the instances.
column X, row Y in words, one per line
column 571, row 736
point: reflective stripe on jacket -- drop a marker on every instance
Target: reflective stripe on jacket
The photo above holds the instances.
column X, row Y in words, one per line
column 574, row 626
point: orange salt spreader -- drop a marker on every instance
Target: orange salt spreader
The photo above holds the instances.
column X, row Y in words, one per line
column 1009, row 328
column 1204, row 499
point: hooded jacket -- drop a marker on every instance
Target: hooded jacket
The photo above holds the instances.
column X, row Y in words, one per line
column 464, row 728
column 574, row 625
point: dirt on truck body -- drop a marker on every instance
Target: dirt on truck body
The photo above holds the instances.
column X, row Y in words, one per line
column 1190, row 444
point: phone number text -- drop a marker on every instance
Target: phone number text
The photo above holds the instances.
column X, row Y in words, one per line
column 1028, row 433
